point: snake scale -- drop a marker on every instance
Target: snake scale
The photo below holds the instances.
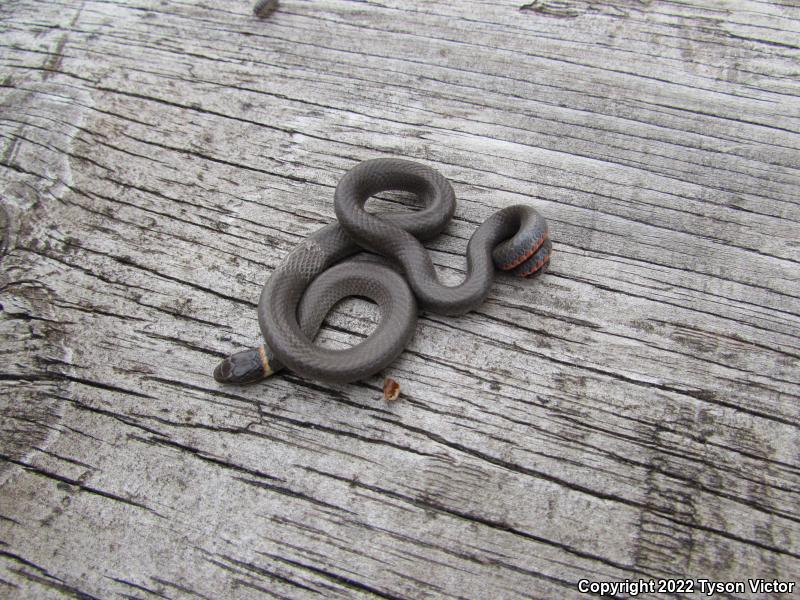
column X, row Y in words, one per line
column 395, row 272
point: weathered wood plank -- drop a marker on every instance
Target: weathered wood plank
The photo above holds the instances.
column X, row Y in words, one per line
column 634, row 413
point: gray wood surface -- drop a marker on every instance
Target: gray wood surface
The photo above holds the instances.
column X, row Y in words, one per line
column 631, row 414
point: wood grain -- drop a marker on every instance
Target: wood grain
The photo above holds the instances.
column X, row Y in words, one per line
column 631, row 414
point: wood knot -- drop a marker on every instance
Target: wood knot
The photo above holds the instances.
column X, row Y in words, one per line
column 264, row 8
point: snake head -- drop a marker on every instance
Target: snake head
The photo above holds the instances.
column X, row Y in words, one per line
column 247, row 366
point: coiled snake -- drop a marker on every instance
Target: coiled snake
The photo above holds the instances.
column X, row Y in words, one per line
column 315, row 276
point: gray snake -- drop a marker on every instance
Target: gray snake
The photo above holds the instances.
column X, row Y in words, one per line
column 315, row 275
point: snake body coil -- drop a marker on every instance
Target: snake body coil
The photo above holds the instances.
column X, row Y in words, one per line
column 315, row 276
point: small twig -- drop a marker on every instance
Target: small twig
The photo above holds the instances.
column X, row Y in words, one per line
column 391, row 389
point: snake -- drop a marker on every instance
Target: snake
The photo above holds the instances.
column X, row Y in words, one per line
column 380, row 257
